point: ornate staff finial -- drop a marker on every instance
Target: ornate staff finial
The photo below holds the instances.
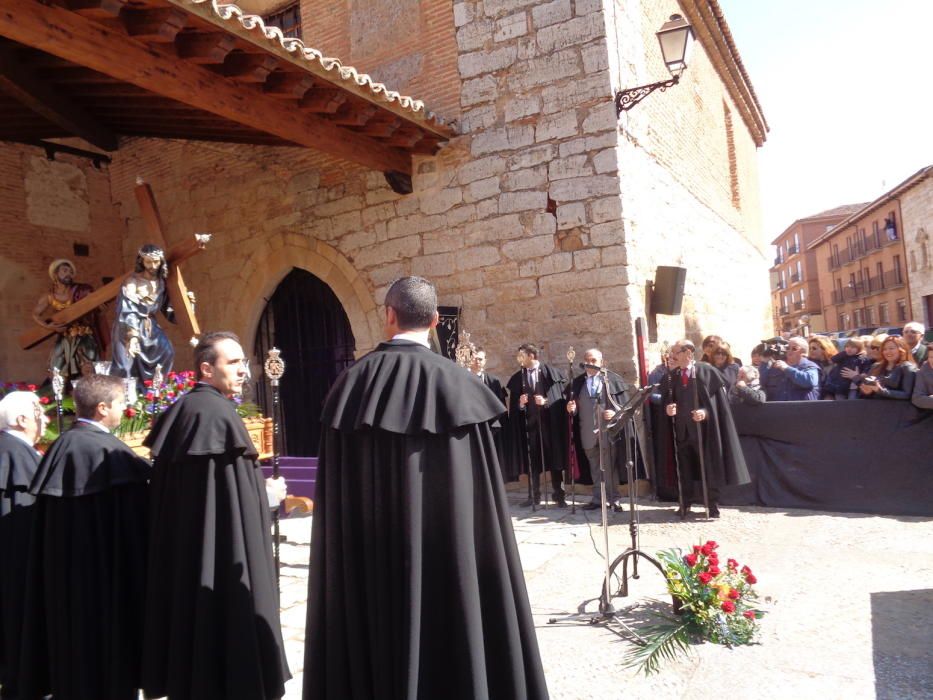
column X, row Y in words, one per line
column 157, row 379
column 571, row 354
column 465, row 350
column 58, row 384
column 274, row 366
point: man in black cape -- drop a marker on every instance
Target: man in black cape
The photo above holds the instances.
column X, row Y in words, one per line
column 586, row 401
column 22, row 423
column 500, row 431
column 212, row 627
column 695, row 395
column 538, row 423
column 87, row 557
column 416, row 590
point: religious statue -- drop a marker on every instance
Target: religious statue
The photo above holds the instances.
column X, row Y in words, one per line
column 81, row 342
column 139, row 343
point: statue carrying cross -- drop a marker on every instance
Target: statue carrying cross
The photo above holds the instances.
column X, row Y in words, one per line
column 173, row 287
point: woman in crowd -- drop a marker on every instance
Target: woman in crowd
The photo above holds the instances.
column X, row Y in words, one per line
column 872, row 345
column 893, row 377
column 821, row 352
column 723, row 361
column 709, row 345
column 747, row 389
column 923, row 388
column 758, row 355
column 851, row 361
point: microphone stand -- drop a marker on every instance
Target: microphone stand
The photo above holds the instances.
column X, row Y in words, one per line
column 696, row 407
column 673, row 419
column 274, row 368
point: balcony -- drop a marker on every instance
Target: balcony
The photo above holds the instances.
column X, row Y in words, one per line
column 778, row 261
column 792, row 250
column 794, row 278
column 893, row 278
column 798, row 305
column 837, row 261
column 841, row 296
column 780, row 285
column 783, row 310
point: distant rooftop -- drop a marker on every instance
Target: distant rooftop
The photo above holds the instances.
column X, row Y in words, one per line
column 843, row 210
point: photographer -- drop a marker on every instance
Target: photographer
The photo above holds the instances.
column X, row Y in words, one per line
column 893, row 377
column 923, row 387
column 791, row 376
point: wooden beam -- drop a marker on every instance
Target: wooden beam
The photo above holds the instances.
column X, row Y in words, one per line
column 288, row 85
column 206, row 49
column 249, row 67
column 160, row 25
column 405, row 138
column 57, row 31
column 20, row 83
column 382, row 128
column 176, row 254
column 354, row 114
column 96, row 9
column 323, row 100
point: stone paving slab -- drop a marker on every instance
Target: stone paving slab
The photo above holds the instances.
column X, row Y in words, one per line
column 851, row 601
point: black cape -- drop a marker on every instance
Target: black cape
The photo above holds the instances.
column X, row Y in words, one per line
column 619, row 391
column 501, row 434
column 416, row 589
column 18, row 462
column 553, row 419
column 212, row 608
column 87, row 570
column 722, row 452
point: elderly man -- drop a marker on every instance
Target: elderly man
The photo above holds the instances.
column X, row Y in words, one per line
column 704, row 433
column 22, row 423
column 797, row 378
column 590, row 408
column 913, row 336
column 415, row 588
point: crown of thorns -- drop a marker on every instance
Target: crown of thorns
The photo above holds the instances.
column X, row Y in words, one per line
column 156, row 254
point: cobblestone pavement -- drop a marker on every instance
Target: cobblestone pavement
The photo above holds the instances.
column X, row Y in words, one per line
column 851, row 601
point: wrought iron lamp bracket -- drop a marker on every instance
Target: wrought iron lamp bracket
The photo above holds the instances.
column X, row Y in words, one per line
column 626, row 99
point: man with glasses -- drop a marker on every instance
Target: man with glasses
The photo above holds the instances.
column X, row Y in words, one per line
column 696, row 400
column 22, row 423
column 794, row 379
column 913, row 336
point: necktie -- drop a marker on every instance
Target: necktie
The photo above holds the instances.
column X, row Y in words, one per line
column 683, row 378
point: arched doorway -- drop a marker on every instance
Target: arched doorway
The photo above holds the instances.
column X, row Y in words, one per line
column 305, row 320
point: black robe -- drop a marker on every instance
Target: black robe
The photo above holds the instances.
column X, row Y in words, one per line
column 553, row 419
column 722, row 452
column 18, row 463
column 500, row 431
column 416, row 590
column 87, row 570
column 619, row 391
column 212, row 625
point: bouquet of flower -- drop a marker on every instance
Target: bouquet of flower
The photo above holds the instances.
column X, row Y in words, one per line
column 714, row 603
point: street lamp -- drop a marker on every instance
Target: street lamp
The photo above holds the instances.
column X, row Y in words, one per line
column 675, row 38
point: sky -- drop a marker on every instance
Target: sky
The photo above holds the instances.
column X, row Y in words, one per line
column 847, row 91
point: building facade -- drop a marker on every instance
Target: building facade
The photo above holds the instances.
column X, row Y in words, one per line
column 863, row 264
column 917, row 207
column 542, row 218
column 796, row 297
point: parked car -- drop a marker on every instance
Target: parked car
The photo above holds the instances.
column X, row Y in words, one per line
column 889, row 330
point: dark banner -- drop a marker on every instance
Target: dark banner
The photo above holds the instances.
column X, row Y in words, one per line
column 846, row 456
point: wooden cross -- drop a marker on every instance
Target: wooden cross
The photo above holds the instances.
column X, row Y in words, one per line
column 175, row 284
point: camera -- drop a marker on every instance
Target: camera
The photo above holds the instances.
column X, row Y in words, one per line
column 774, row 349
column 870, row 380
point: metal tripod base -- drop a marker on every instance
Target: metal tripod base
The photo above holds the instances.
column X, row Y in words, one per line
column 607, row 616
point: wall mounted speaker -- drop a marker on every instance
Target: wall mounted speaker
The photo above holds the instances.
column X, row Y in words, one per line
column 668, row 296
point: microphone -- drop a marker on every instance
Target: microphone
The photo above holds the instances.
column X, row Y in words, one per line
column 584, row 365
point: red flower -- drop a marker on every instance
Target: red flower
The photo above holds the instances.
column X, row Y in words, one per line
column 712, row 544
column 43, row 400
column 714, row 570
column 732, row 564
column 750, row 577
column 149, row 396
column 696, row 549
column 750, row 614
column 706, row 549
column 746, row 570
column 734, row 594
column 170, row 394
column 147, row 383
column 129, row 412
column 728, row 606
column 691, row 559
column 705, row 577
column 191, row 382
column 713, row 559
column 31, row 387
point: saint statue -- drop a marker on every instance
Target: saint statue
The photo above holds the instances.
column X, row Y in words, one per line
column 139, row 343
column 80, row 343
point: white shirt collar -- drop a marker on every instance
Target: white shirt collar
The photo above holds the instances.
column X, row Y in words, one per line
column 96, row 424
column 420, row 337
column 19, row 434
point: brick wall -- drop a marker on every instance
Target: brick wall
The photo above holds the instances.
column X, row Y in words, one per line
column 46, row 207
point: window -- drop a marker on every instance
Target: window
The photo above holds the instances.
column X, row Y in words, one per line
column 866, row 279
column 843, row 321
column 857, row 315
column 803, row 296
column 869, row 315
column 901, row 310
column 883, row 317
column 288, row 19
column 897, row 269
column 799, row 271
column 890, row 226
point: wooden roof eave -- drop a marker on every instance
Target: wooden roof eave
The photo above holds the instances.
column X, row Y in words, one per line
column 315, row 68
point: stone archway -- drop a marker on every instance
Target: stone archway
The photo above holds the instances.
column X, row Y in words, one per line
column 268, row 265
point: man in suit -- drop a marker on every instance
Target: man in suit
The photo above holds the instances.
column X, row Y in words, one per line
column 500, row 432
column 913, row 336
column 590, row 408
column 536, row 413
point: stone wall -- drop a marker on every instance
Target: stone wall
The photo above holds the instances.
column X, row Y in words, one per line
column 917, row 210
column 46, row 208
